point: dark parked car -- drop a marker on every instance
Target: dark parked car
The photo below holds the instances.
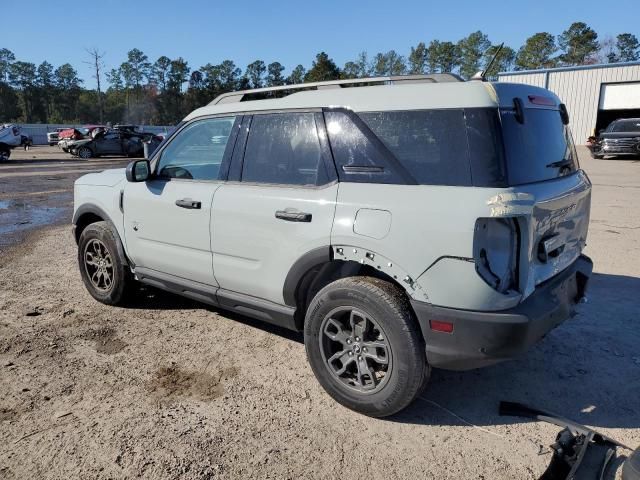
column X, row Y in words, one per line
column 111, row 142
column 621, row 137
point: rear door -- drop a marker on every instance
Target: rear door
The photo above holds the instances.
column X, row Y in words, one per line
column 278, row 205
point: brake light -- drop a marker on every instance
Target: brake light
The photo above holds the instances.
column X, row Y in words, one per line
column 495, row 251
column 541, row 100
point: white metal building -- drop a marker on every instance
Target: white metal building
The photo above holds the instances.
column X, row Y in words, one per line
column 595, row 95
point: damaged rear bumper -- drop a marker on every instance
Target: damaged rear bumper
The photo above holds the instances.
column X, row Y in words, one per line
column 483, row 338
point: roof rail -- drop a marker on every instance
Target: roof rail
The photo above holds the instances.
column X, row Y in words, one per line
column 239, row 96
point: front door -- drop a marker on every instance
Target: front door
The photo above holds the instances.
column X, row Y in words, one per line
column 280, row 206
column 167, row 218
column 109, row 144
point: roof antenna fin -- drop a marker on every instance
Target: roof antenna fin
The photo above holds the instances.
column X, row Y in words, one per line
column 482, row 75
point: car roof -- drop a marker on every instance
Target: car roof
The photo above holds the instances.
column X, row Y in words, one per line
column 400, row 96
column 379, row 98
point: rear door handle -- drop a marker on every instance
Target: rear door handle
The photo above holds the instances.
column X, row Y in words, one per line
column 188, row 203
column 291, row 215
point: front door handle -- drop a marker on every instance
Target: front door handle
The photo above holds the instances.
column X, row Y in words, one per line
column 188, row 203
column 292, row 215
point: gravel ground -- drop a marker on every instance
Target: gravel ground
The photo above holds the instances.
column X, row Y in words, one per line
column 167, row 388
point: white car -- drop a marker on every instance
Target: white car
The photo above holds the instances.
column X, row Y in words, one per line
column 417, row 222
column 10, row 137
column 53, row 137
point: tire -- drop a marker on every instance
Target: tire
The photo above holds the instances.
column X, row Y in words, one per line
column 5, row 153
column 98, row 249
column 85, row 153
column 375, row 313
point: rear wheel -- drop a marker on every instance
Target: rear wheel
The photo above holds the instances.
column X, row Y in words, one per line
column 104, row 273
column 85, row 153
column 364, row 345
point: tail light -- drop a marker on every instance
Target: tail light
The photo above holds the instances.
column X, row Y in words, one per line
column 495, row 251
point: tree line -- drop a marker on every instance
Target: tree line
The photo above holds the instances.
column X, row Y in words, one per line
column 163, row 91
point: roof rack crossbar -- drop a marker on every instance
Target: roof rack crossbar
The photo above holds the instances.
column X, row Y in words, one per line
column 238, row 96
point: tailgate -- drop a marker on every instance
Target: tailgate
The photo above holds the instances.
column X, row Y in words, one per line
column 558, row 226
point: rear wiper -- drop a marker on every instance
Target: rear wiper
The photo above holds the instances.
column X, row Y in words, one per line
column 565, row 162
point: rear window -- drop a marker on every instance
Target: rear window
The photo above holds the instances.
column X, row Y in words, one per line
column 540, row 148
column 458, row 147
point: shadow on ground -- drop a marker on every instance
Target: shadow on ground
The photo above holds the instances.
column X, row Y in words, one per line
column 588, row 369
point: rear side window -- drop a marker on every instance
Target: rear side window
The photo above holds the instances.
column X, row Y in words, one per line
column 430, row 144
column 283, row 148
column 538, row 149
column 458, row 147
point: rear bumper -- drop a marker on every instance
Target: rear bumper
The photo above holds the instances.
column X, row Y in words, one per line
column 484, row 338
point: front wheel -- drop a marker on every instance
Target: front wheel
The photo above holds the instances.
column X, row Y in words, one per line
column 105, row 275
column 365, row 347
column 5, row 153
column 85, row 153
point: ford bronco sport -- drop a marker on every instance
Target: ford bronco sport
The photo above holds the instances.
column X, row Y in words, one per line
column 402, row 223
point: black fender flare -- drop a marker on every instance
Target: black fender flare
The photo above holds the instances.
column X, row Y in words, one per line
column 96, row 210
column 298, row 270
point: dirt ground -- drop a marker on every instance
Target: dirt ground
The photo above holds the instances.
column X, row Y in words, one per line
column 167, row 388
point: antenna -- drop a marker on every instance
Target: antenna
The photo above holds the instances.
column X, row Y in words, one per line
column 482, row 75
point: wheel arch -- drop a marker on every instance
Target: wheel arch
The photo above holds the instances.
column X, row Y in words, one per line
column 321, row 266
column 90, row 213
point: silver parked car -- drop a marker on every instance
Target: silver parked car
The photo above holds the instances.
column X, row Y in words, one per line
column 411, row 223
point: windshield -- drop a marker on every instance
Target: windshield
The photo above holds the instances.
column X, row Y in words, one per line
column 625, row 126
column 540, row 148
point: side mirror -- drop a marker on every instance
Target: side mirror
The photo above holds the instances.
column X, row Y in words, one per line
column 138, row 171
column 564, row 114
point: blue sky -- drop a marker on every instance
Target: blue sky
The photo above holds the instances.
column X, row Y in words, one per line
column 291, row 32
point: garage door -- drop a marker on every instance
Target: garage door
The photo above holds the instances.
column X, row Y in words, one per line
column 619, row 96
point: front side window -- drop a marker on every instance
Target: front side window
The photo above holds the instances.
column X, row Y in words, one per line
column 283, row 148
column 196, row 152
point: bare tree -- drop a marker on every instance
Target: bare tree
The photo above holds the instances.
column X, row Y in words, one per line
column 98, row 65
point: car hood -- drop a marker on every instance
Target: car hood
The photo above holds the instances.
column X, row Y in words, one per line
column 77, row 143
column 620, row 135
column 106, row 178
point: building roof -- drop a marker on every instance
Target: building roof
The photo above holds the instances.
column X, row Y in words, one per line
column 566, row 69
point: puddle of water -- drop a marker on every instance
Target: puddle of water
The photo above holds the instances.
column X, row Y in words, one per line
column 19, row 215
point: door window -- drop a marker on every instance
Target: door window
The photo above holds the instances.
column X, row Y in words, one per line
column 283, row 148
column 197, row 151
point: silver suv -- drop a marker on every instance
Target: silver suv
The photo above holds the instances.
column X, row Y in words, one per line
column 402, row 223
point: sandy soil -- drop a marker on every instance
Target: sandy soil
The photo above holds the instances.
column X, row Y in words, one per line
column 167, row 388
